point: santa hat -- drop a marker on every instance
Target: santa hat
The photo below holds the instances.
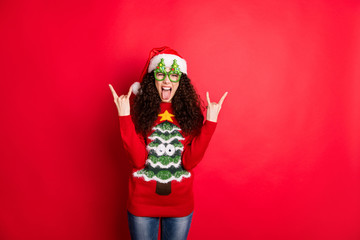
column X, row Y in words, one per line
column 155, row 56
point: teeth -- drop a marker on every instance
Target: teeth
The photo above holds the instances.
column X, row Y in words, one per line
column 166, row 88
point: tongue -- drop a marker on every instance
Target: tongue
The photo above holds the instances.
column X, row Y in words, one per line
column 166, row 94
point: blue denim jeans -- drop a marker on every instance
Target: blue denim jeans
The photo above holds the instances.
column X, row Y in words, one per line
column 146, row 228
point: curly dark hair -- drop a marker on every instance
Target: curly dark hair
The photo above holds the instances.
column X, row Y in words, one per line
column 186, row 103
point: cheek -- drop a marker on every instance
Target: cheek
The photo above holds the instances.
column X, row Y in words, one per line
column 175, row 88
column 157, row 85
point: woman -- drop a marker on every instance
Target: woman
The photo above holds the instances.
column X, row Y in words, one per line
column 165, row 137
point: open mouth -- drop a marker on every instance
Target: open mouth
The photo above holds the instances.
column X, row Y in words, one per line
column 166, row 93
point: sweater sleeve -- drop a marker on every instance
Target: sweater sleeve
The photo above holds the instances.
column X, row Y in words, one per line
column 195, row 150
column 134, row 144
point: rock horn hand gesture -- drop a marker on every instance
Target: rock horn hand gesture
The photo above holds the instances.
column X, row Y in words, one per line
column 213, row 108
column 122, row 102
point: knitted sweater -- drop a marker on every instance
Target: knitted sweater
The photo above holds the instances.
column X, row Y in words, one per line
column 161, row 183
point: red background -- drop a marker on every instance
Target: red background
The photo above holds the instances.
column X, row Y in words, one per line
column 282, row 164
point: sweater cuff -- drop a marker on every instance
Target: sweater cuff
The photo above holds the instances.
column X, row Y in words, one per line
column 124, row 118
column 209, row 127
column 125, row 122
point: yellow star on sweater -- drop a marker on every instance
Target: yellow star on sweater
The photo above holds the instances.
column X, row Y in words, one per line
column 166, row 116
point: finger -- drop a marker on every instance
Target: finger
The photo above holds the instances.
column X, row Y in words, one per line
column 130, row 91
column 113, row 91
column 208, row 98
column 222, row 99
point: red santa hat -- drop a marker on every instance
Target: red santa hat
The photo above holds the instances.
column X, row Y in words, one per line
column 155, row 56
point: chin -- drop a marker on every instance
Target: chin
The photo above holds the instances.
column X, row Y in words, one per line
column 169, row 100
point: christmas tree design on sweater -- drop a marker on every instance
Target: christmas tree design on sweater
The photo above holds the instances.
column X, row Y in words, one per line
column 164, row 156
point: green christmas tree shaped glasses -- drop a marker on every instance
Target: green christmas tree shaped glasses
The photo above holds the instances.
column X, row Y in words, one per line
column 174, row 74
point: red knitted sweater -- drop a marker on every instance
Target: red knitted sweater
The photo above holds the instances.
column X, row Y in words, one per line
column 161, row 183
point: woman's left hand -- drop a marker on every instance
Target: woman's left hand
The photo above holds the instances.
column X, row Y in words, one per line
column 213, row 108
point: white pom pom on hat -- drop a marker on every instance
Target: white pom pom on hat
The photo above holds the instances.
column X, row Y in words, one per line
column 135, row 87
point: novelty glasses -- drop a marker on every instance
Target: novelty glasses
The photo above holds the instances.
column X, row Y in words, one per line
column 174, row 74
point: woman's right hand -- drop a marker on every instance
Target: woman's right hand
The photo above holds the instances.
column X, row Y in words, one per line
column 122, row 102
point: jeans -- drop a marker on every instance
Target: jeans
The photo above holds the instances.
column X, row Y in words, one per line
column 146, row 228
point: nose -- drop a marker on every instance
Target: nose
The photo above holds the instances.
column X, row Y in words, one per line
column 166, row 80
